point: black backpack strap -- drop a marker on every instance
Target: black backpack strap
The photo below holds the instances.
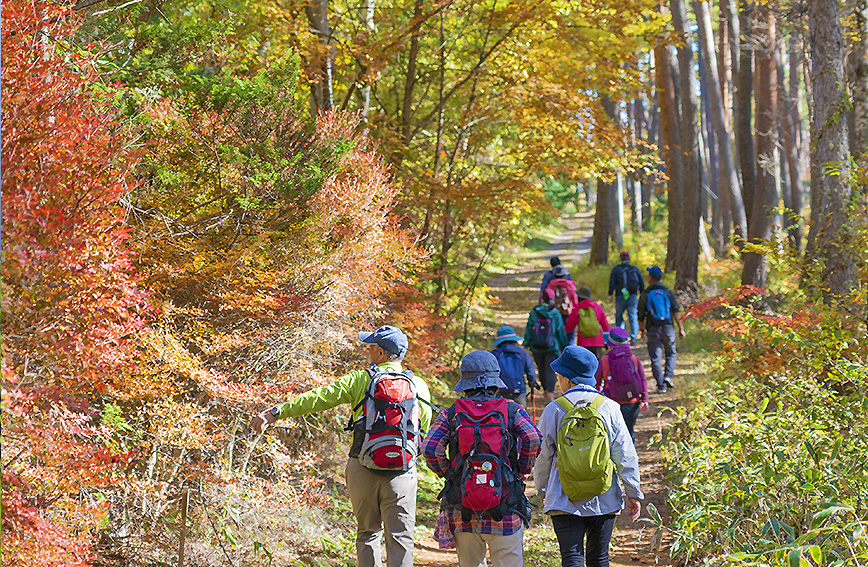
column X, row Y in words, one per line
column 372, row 371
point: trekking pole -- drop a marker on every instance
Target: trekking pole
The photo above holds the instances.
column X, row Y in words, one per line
column 533, row 404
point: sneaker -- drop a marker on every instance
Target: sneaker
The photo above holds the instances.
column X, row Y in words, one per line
column 668, row 382
column 661, row 389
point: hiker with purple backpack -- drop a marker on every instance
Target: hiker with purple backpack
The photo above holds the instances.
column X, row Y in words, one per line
column 621, row 377
column 545, row 338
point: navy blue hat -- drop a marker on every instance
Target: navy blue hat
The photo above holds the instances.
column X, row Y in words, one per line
column 505, row 333
column 390, row 339
column 655, row 272
column 577, row 364
column 479, row 369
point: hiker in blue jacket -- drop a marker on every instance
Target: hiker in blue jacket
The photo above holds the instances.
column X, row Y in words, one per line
column 515, row 365
column 658, row 315
column 626, row 284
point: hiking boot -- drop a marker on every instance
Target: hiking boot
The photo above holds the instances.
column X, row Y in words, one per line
column 668, row 382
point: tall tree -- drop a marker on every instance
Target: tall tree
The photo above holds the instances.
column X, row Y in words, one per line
column 600, row 239
column 743, row 103
column 788, row 104
column 828, row 241
column 687, row 260
column 858, row 79
column 755, row 270
column 322, row 81
column 728, row 182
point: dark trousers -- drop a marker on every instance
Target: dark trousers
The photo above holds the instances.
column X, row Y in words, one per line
column 575, row 551
column 630, row 413
column 661, row 342
column 547, row 376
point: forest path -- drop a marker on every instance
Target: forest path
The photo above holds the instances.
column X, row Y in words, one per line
column 516, row 292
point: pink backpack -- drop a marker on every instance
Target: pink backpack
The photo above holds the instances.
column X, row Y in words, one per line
column 624, row 383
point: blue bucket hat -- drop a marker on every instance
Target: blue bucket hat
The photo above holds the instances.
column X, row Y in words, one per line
column 389, row 338
column 505, row 333
column 577, row 364
column 655, row 272
column 479, row 369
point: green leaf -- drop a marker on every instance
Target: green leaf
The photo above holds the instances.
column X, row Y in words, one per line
column 795, row 557
column 763, row 405
column 655, row 515
column 816, row 554
column 230, row 536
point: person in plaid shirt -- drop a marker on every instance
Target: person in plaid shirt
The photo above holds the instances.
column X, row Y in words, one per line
column 480, row 381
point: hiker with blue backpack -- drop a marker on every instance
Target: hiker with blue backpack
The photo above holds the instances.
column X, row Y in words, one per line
column 621, row 377
column 391, row 407
column 516, row 364
column 586, row 455
column 545, row 338
column 483, row 445
column 658, row 315
column 626, row 284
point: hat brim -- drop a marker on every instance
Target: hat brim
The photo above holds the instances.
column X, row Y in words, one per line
column 474, row 383
column 366, row 337
column 504, row 338
column 560, row 369
column 611, row 343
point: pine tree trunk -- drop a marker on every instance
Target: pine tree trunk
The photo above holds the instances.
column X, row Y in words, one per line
column 321, row 89
column 600, row 238
column 742, row 103
column 755, row 270
column 687, row 260
column 670, row 134
column 728, row 172
column 830, row 239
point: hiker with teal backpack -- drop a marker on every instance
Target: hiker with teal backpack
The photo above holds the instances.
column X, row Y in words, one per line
column 586, row 454
column 626, row 284
column 483, row 445
column 516, row 364
column 391, row 408
column 590, row 323
column 545, row 338
column 658, row 315
column 621, row 377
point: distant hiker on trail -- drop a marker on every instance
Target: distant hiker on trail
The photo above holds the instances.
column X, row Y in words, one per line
column 545, row 337
column 626, row 283
column 516, row 364
column 658, row 309
column 566, row 299
column 547, row 277
column 483, row 446
column 390, row 408
column 586, row 453
column 589, row 321
column 621, row 377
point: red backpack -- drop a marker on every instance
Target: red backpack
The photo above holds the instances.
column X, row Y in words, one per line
column 563, row 302
column 482, row 480
column 624, row 383
column 386, row 437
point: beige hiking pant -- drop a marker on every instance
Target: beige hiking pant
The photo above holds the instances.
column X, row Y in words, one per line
column 505, row 551
column 382, row 502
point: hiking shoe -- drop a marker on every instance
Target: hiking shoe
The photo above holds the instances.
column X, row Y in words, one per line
column 661, row 389
column 668, row 382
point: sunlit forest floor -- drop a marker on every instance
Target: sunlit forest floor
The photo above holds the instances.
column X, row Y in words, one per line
column 516, row 291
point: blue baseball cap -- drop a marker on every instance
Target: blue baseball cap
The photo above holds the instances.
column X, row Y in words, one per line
column 389, row 338
column 655, row 272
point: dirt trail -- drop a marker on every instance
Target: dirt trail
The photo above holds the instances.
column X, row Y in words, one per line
column 516, row 292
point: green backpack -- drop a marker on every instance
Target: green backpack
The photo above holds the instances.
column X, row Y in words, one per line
column 584, row 463
column 589, row 326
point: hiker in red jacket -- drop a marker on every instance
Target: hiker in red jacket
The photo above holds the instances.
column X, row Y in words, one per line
column 589, row 321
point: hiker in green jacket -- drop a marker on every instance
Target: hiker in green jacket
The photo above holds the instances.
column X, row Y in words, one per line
column 380, row 498
column 545, row 337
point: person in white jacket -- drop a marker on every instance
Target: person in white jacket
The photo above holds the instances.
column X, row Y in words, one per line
column 594, row 519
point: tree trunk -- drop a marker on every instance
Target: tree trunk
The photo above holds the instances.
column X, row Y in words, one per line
column 409, row 85
column 792, row 143
column 321, row 89
column 742, row 103
column 858, row 79
column 687, row 260
column 755, row 271
column 830, row 240
column 600, row 239
column 669, row 133
column 368, row 7
column 728, row 172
